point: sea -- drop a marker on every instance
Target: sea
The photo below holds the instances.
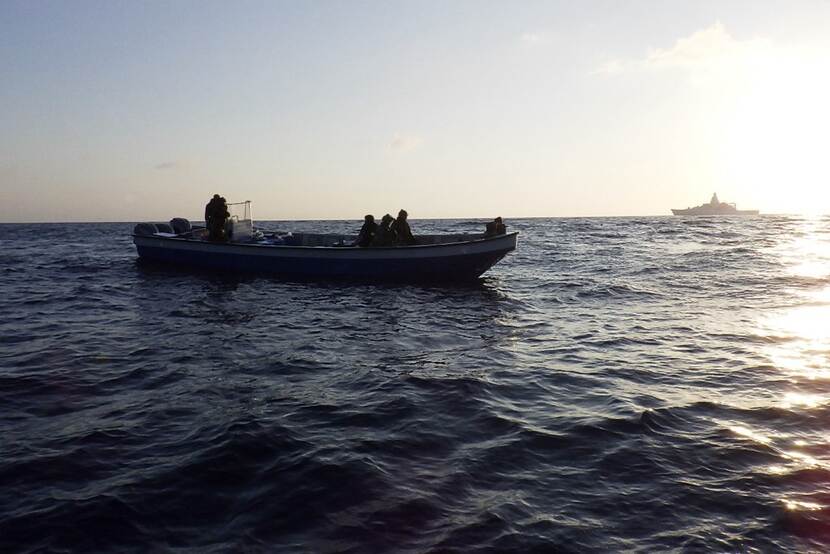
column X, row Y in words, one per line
column 632, row 384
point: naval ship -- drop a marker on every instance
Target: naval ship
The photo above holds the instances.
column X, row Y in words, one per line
column 715, row 207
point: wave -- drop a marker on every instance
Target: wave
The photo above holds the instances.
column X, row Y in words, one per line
column 608, row 372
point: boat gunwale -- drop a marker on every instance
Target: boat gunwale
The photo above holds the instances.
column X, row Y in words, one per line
column 338, row 248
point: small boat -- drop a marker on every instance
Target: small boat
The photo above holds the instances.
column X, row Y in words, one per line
column 451, row 257
column 715, row 207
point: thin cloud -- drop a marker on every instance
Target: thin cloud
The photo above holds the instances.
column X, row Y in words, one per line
column 534, row 38
column 404, row 143
column 164, row 166
column 706, row 50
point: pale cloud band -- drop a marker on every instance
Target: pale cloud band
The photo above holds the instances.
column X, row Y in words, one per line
column 534, row 38
column 708, row 49
column 404, row 143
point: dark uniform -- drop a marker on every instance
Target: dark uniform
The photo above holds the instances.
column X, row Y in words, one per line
column 367, row 232
column 383, row 234
column 501, row 228
column 216, row 214
column 495, row 227
column 401, row 230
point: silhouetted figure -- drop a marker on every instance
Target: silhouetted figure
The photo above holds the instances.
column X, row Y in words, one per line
column 501, row 228
column 383, row 234
column 209, row 207
column 216, row 214
column 401, row 231
column 367, row 232
column 495, row 227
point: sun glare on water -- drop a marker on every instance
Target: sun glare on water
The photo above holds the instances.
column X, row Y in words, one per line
column 800, row 335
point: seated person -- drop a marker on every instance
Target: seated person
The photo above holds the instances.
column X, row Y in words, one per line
column 501, row 228
column 367, row 232
column 383, row 234
column 401, row 231
column 495, row 227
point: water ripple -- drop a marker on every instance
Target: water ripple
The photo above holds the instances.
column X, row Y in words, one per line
column 616, row 384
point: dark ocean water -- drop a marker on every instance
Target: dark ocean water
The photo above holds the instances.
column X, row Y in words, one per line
column 616, row 384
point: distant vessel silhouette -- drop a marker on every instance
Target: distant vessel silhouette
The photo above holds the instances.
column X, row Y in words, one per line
column 715, row 207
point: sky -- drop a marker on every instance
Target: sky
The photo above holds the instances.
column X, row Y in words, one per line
column 141, row 111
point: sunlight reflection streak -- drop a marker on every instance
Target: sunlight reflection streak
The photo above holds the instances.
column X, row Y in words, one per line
column 805, row 349
column 801, row 505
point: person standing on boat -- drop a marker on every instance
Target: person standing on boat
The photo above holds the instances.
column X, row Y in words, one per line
column 216, row 214
column 383, row 234
column 401, row 231
column 209, row 209
column 367, row 232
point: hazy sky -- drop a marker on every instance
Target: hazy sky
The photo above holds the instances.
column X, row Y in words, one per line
column 132, row 111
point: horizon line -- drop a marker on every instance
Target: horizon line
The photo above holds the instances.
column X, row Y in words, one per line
column 44, row 222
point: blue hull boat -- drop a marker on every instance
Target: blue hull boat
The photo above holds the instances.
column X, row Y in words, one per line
column 433, row 258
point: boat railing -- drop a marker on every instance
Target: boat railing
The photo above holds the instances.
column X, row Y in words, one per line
column 240, row 225
column 240, row 210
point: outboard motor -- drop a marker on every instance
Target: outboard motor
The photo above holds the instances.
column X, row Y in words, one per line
column 180, row 225
column 145, row 229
